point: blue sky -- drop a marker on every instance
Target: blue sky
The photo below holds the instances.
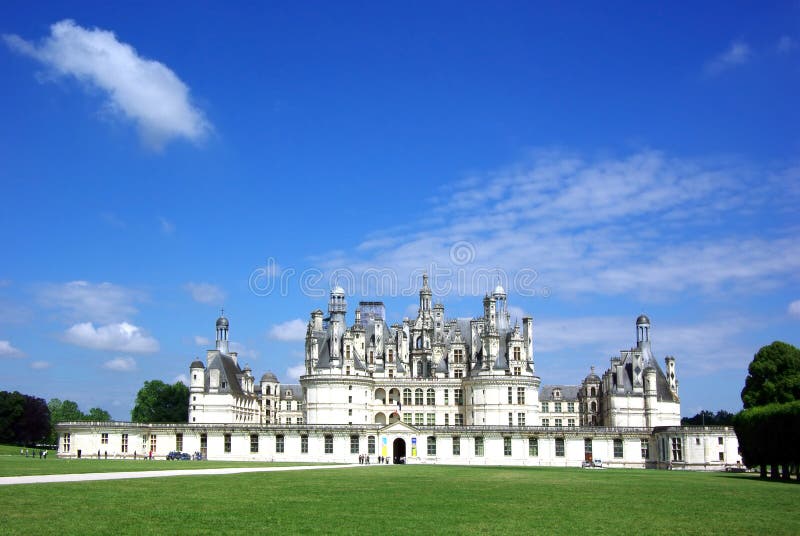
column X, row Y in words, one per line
column 602, row 161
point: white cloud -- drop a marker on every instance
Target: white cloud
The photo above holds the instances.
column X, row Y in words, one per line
column 291, row 330
column 738, row 53
column 167, row 227
column 120, row 364
column 7, row 350
column 81, row 300
column 183, row 378
column 40, row 365
column 123, row 337
column 205, row 292
column 786, row 44
column 294, row 372
column 242, row 351
column 201, row 341
column 794, row 309
column 645, row 224
column 144, row 91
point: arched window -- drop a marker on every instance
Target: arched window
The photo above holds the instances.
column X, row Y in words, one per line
column 419, row 369
column 430, row 397
column 594, row 406
column 268, row 389
column 594, row 391
column 418, row 397
column 419, row 342
column 407, row 397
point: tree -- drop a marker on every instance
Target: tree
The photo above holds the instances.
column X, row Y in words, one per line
column 709, row 418
column 773, row 376
column 24, row 419
column 98, row 414
column 158, row 402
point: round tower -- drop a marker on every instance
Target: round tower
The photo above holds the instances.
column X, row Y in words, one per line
column 642, row 331
column 222, row 333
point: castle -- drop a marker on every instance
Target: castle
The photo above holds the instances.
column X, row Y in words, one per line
column 433, row 390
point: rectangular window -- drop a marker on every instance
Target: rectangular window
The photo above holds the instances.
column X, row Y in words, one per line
column 350, row 412
column 279, row 444
column 560, row 447
column 407, row 418
column 459, row 419
column 517, row 371
column 431, row 446
column 459, row 396
column 204, row 445
column 353, row 444
column 447, row 419
column 253, row 442
column 104, row 439
column 533, row 447
column 418, row 419
column 227, row 442
column 430, row 397
column 677, row 449
column 446, row 397
column 153, row 442
column 587, row 448
column 371, row 444
column 179, row 442
column 557, row 407
column 719, row 441
column 545, row 407
column 510, row 395
column 510, row 418
column 478, row 446
column 407, row 397
column 722, row 456
column 506, row 446
column 645, row 443
column 517, row 353
column 350, row 399
column 557, row 423
column 571, row 407
column 65, row 441
column 328, row 444
column 124, row 443
column 418, row 397
column 520, row 419
column 456, row 446
column 288, row 420
column 618, row 448
column 570, row 422
column 545, row 422
column 458, row 374
column 520, row 395
column 304, row 444
column 431, row 419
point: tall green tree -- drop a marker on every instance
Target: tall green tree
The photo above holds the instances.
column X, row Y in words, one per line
column 773, row 376
column 157, row 401
column 98, row 414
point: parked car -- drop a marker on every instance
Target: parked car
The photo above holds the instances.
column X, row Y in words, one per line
column 185, row 456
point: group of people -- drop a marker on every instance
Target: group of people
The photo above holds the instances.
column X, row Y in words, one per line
column 32, row 453
column 363, row 459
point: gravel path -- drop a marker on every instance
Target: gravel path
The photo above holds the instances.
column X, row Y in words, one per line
column 45, row 479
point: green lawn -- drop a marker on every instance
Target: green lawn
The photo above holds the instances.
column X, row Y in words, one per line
column 16, row 465
column 402, row 499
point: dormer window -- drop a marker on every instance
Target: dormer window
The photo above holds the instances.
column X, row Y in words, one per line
column 557, row 394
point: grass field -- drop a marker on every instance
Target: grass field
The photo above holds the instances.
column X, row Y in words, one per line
column 400, row 499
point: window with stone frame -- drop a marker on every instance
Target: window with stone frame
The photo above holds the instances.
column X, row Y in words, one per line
column 253, row 443
column 304, row 444
column 520, row 395
column 459, row 419
column 645, row 445
column 407, row 396
column 153, row 439
column 418, row 419
column 407, row 418
column 557, row 423
column 328, row 444
column 418, row 397
column 65, row 442
column 506, row 446
column 430, row 397
column 520, row 419
column 447, row 397
column 353, row 444
column 560, row 447
column 431, row 445
column 545, row 422
column 517, row 353
column 618, row 448
column 371, row 444
column 510, row 395
column 104, row 438
column 456, row 446
column 587, row 448
column 458, row 394
column 179, row 442
column 279, row 443
column 511, row 418
column 458, row 356
column 479, row 446
column 458, row 373
column 430, row 419
column 570, row 422
column 533, row 447
column 545, row 407
column 124, row 447
column 570, row 407
column 557, row 407
column 677, row 449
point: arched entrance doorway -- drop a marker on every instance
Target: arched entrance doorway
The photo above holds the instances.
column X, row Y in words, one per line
column 398, row 451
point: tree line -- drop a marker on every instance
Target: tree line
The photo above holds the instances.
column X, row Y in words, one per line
column 768, row 428
column 27, row 420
